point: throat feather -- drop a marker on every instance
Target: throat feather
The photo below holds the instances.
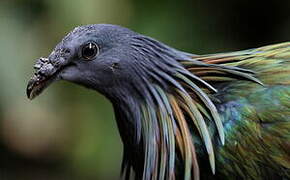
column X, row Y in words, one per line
column 166, row 130
column 175, row 115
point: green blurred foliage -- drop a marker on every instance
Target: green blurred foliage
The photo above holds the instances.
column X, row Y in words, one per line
column 70, row 132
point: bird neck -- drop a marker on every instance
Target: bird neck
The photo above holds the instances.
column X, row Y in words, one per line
column 155, row 132
column 168, row 111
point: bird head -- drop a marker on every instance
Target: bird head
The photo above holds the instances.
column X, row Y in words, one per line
column 95, row 56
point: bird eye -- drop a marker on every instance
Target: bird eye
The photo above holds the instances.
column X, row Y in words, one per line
column 89, row 51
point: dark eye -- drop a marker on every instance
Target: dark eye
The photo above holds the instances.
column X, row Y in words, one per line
column 89, row 51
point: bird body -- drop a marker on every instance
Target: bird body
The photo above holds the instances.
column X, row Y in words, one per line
column 180, row 115
column 255, row 118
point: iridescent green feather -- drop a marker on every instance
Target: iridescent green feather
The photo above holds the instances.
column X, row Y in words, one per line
column 256, row 118
column 242, row 96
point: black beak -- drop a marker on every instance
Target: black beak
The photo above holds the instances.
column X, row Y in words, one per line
column 46, row 73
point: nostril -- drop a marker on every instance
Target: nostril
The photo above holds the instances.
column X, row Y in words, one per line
column 67, row 51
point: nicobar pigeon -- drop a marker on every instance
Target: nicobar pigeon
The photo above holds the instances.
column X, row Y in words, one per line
column 181, row 115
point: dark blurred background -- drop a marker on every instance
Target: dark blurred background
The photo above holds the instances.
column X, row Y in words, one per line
column 70, row 132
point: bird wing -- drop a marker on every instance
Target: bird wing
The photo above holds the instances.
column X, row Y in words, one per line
column 253, row 100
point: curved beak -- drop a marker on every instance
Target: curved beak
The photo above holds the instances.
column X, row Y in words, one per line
column 46, row 73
